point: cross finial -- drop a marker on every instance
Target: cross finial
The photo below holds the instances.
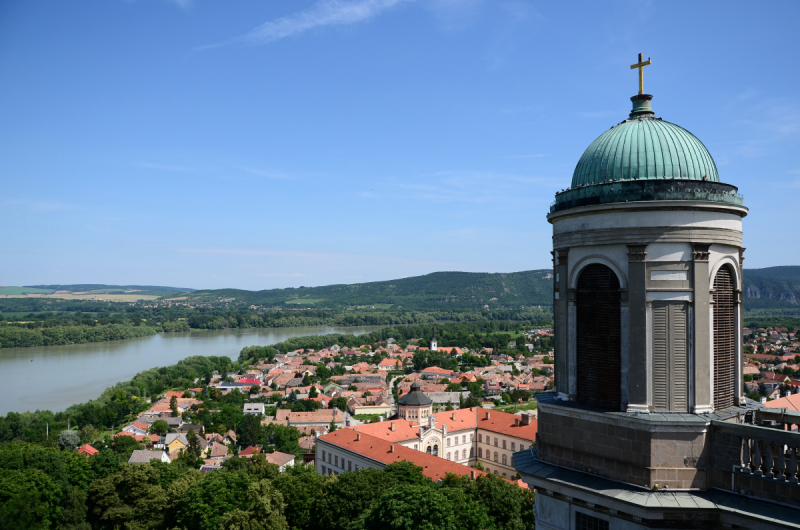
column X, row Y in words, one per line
column 641, row 64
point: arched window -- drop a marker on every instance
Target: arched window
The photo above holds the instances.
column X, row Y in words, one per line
column 598, row 338
column 495, row 473
column 448, row 455
column 495, row 456
column 724, row 338
column 505, row 460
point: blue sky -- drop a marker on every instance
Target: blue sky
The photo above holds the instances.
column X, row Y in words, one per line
column 272, row 144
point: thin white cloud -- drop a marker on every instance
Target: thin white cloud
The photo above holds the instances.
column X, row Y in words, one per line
column 323, row 13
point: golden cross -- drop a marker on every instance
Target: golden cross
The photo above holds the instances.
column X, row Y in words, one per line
column 641, row 64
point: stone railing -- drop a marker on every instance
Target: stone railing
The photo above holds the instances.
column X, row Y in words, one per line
column 763, row 452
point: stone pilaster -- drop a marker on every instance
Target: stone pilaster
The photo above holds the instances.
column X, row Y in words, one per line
column 561, row 321
column 637, row 329
column 703, row 355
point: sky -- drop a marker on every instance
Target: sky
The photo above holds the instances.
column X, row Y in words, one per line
column 261, row 145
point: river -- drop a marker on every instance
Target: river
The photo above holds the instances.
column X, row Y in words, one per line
column 55, row 377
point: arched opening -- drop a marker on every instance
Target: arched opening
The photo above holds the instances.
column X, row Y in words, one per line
column 724, row 338
column 436, row 450
column 598, row 338
column 428, row 450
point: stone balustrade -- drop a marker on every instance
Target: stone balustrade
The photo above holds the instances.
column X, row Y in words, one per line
column 763, row 452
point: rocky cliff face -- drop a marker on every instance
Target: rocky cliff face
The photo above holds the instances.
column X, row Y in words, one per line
column 773, row 286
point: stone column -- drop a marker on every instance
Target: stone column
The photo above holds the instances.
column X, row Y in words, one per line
column 703, row 353
column 561, row 322
column 637, row 326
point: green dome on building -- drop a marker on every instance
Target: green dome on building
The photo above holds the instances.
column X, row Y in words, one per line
column 644, row 147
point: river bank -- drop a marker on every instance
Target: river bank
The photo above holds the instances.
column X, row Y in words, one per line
column 55, row 377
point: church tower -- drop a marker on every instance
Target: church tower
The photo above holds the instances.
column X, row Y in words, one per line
column 647, row 302
column 434, row 344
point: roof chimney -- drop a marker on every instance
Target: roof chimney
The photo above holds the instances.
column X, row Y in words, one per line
column 393, row 426
column 391, row 450
column 526, row 419
column 358, row 436
column 487, row 414
column 454, row 416
column 516, row 422
column 472, row 473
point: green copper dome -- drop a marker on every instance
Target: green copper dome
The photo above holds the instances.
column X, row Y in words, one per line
column 644, row 147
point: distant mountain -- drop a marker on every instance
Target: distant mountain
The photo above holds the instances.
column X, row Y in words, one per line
column 438, row 290
column 769, row 288
column 772, row 287
column 86, row 287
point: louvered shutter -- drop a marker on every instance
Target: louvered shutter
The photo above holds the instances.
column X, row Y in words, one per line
column 724, row 339
column 678, row 318
column 660, row 357
column 598, row 338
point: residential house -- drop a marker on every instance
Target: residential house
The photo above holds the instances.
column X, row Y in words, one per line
column 255, row 409
column 143, row 456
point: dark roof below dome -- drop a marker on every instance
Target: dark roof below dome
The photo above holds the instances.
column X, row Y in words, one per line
column 415, row 398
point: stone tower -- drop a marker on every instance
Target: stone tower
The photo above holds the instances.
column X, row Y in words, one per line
column 434, row 344
column 648, row 425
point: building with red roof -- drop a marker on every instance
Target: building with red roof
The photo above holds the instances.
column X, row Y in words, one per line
column 87, row 450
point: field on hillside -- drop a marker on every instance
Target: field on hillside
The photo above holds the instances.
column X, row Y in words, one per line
column 21, row 291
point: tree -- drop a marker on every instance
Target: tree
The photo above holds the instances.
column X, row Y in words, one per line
column 264, row 510
column 332, row 427
column 300, row 486
column 88, row 434
column 339, row 403
column 306, row 380
column 255, row 389
column 366, row 394
column 249, row 430
column 449, row 406
column 173, row 404
column 28, row 499
column 159, row 427
column 313, row 392
column 292, row 398
column 130, row 497
column 125, row 445
column 69, row 440
column 193, row 449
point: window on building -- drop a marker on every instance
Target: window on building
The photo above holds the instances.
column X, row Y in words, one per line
column 464, row 439
column 448, row 455
column 587, row 522
column 463, row 453
column 480, row 452
column 415, row 446
column 495, row 472
column 504, row 444
column 356, row 467
column 480, row 438
column 472, row 437
column 521, row 447
column 496, row 456
column 448, row 442
column 495, row 441
column 472, row 451
column 324, row 470
column 512, row 460
column 350, row 464
column 329, row 458
column 513, row 446
column 323, row 455
column 336, row 461
column 505, row 460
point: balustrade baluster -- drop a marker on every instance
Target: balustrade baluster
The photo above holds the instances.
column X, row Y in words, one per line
column 757, row 458
column 793, row 465
column 745, row 455
column 769, row 463
column 780, row 468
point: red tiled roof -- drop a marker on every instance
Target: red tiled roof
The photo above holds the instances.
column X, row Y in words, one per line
column 504, row 423
column 792, row 402
column 382, row 430
column 88, row 450
column 433, row 467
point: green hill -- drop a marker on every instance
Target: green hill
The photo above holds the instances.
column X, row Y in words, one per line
column 773, row 288
column 435, row 291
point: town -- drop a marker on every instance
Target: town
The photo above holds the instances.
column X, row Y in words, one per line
column 350, row 408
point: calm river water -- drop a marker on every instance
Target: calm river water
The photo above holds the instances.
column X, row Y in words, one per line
column 55, row 377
